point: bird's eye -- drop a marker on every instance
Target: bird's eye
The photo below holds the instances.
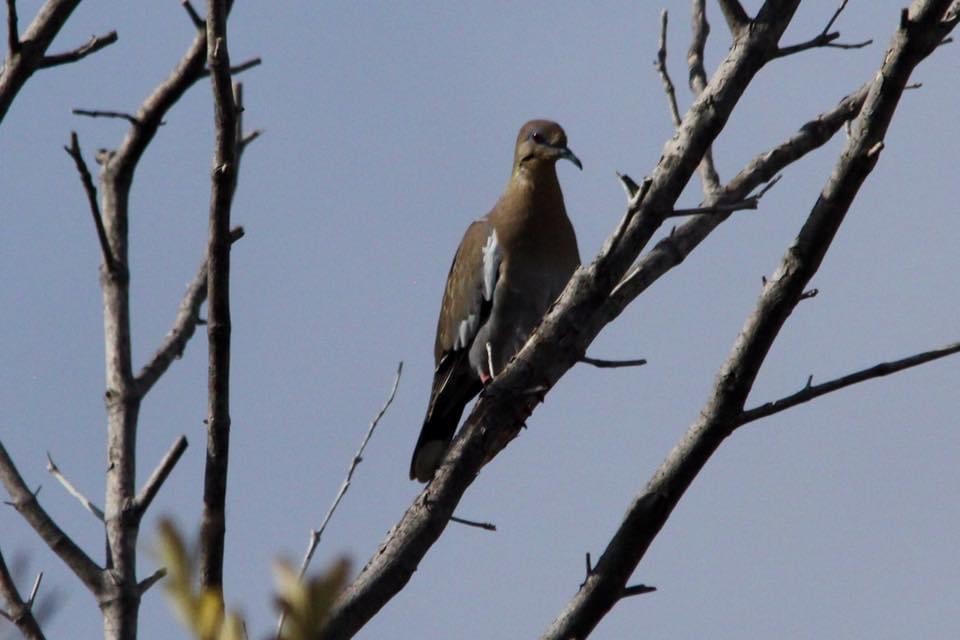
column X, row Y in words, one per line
column 537, row 137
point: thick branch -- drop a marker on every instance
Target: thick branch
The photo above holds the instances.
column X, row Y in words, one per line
column 781, row 293
column 810, row 392
column 212, row 527
column 13, row 30
column 25, row 502
column 17, row 611
column 560, row 341
column 737, row 19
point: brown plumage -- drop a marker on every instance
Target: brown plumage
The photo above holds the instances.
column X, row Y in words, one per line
column 510, row 266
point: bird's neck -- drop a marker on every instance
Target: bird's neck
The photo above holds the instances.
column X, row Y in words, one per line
column 536, row 184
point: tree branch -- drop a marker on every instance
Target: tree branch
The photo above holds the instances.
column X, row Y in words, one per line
column 698, row 81
column 25, row 502
column 316, row 534
column 212, row 527
column 737, row 19
column 88, row 187
column 612, row 364
column 72, row 490
column 27, row 53
column 660, row 64
column 184, row 326
column 650, row 510
column 810, row 392
column 94, row 44
column 17, row 611
column 824, row 38
column 559, row 342
column 99, row 113
column 159, row 475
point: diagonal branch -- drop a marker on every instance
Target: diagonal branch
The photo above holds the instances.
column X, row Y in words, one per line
column 17, row 611
column 810, row 392
column 650, row 509
column 184, row 326
column 13, row 30
column 733, row 12
column 94, row 44
column 74, row 152
column 159, row 476
column 25, row 502
column 72, row 490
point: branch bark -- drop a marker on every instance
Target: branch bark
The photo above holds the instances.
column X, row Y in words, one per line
column 17, row 611
column 213, row 524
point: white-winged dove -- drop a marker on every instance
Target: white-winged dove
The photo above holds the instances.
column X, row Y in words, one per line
column 510, row 267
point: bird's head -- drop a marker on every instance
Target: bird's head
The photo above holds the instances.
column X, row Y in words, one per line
column 542, row 143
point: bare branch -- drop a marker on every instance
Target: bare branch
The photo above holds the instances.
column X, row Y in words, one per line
column 94, row 44
column 25, row 502
column 315, row 534
column 74, row 152
column 737, row 19
column 195, row 17
column 824, row 39
column 22, row 61
column 486, row 526
column 99, row 113
column 810, row 391
column 17, row 611
column 151, row 580
column 184, row 325
column 660, row 64
column 72, row 490
column 698, row 81
column 240, row 68
column 612, row 364
column 650, row 509
column 159, row 475
column 636, row 590
column 13, row 31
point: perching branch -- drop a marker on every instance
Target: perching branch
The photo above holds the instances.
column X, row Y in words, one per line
column 72, row 490
column 316, row 534
column 223, row 181
column 811, row 391
column 25, row 502
column 17, row 611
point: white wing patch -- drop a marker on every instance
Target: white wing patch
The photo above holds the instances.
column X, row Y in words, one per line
column 491, row 265
column 469, row 326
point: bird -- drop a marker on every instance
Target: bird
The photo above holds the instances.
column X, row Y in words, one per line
column 509, row 268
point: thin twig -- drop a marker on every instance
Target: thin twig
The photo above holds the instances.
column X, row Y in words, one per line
column 487, row 526
column 316, row 534
column 810, row 391
column 72, row 490
column 612, row 364
column 240, row 68
column 151, row 580
column 824, row 39
column 636, row 590
column 159, row 475
column 660, row 64
column 87, row 180
column 95, row 43
column 13, row 31
column 99, row 113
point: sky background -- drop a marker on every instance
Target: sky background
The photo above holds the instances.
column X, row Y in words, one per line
column 390, row 127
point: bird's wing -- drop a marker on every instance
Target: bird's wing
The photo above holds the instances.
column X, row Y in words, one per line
column 468, row 296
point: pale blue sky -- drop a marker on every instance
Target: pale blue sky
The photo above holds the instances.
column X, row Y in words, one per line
column 388, row 128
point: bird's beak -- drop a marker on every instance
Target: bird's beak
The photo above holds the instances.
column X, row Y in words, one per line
column 569, row 155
